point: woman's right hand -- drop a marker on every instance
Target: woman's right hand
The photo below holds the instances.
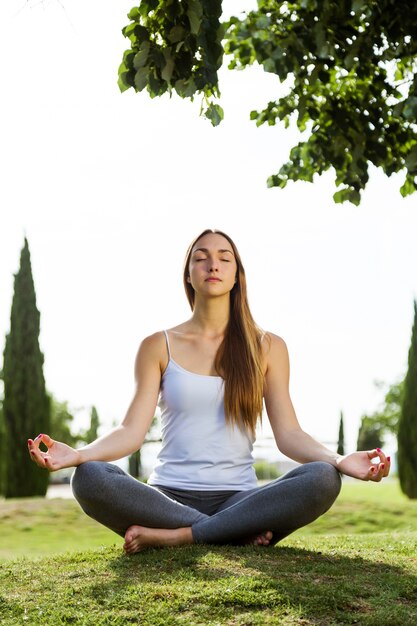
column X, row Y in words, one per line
column 57, row 456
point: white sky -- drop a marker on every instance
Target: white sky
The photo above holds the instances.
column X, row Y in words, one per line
column 110, row 188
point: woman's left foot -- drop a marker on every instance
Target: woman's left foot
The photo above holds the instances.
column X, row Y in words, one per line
column 263, row 539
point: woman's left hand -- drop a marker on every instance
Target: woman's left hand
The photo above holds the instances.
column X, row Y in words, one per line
column 360, row 465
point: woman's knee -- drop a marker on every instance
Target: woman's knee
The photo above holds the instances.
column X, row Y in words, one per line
column 87, row 477
column 327, row 480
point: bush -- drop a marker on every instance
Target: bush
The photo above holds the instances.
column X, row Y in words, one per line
column 266, row 471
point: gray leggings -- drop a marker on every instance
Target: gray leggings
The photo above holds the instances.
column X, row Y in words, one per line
column 113, row 498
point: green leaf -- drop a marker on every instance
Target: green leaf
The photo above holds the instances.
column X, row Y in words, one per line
column 409, row 186
column 347, row 195
column 185, row 88
column 169, row 66
column 142, row 56
column 133, row 14
column 410, row 109
column 122, row 80
column 146, row 6
column 128, row 57
column 141, row 78
column 123, row 85
column 359, row 5
column 411, row 160
column 277, row 181
column 269, row 66
column 176, row 34
column 214, row 113
column 195, row 15
column 129, row 32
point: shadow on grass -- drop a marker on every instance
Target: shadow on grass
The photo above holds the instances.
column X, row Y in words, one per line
column 228, row 585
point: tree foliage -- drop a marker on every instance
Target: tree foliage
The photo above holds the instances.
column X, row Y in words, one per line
column 174, row 45
column 375, row 427
column 407, row 428
column 135, row 459
column 92, row 433
column 341, row 437
column 26, row 404
column 61, row 423
column 348, row 71
column 2, row 441
column 370, row 435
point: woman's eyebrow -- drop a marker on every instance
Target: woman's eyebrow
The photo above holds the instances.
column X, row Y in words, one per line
column 206, row 251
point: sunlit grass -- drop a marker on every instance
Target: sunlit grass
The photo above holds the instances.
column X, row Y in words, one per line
column 356, row 565
column 34, row 527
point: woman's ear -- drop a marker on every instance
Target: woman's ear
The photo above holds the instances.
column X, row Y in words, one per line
column 188, row 279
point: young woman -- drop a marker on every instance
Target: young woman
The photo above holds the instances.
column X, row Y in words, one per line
column 211, row 374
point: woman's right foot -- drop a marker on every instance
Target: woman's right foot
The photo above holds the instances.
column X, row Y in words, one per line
column 138, row 538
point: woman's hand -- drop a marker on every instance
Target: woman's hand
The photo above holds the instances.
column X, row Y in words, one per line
column 57, row 456
column 360, row 465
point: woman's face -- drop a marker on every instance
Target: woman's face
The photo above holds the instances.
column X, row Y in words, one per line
column 212, row 267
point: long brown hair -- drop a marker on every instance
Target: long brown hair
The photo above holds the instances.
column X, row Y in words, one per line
column 239, row 357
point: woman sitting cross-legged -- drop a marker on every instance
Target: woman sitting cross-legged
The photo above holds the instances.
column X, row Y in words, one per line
column 211, row 375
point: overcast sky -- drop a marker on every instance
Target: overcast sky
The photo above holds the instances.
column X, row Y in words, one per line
column 110, row 188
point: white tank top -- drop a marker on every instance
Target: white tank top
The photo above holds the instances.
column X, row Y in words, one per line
column 199, row 450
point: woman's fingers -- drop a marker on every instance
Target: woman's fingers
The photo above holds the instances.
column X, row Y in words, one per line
column 47, row 440
column 36, row 454
column 379, row 470
column 382, row 456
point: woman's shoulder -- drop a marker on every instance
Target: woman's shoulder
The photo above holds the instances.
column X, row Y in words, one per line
column 154, row 341
column 273, row 341
column 153, row 346
column 275, row 354
column 152, row 351
column 157, row 342
column 274, row 349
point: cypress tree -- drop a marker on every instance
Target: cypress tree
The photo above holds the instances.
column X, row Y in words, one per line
column 135, row 464
column 26, row 403
column 92, row 433
column 370, row 434
column 2, row 442
column 61, row 421
column 341, row 438
column 407, row 427
column 135, row 459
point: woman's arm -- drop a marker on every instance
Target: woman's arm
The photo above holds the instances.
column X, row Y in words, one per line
column 289, row 436
column 125, row 438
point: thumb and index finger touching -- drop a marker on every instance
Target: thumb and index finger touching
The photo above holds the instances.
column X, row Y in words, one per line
column 383, row 466
column 35, row 451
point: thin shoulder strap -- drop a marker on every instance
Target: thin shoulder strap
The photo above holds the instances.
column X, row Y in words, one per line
column 167, row 340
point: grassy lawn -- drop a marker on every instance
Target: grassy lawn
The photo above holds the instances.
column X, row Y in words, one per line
column 35, row 527
column 357, row 565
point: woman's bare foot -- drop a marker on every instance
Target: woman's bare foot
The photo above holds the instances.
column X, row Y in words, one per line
column 263, row 539
column 138, row 538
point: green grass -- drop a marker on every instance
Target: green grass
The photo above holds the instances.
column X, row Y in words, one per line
column 357, row 565
column 367, row 508
column 33, row 527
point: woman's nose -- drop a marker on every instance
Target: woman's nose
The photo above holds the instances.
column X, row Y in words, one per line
column 213, row 266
